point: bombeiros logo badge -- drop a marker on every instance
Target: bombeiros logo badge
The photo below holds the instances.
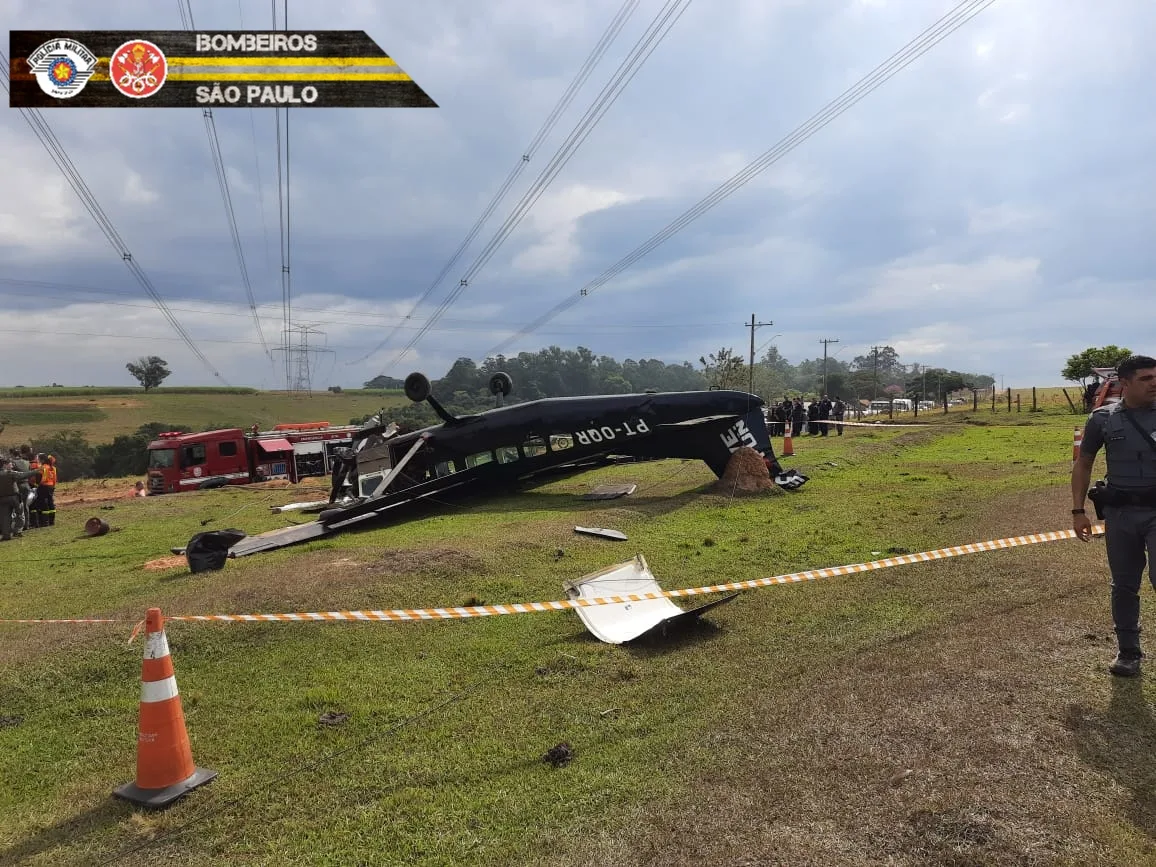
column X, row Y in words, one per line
column 62, row 67
column 138, row 69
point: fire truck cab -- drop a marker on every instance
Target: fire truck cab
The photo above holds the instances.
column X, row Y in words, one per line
column 1109, row 390
column 189, row 461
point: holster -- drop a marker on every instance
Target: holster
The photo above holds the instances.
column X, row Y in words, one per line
column 1096, row 495
column 1102, row 494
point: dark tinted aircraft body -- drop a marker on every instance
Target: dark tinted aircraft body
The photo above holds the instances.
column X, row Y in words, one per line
column 493, row 451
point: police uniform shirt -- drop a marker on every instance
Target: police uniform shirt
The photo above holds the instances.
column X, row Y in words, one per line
column 1131, row 461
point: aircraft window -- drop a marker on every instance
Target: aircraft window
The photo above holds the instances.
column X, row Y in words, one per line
column 533, row 447
column 227, row 450
column 507, row 454
column 479, row 459
column 558, row 442
column 444, row 468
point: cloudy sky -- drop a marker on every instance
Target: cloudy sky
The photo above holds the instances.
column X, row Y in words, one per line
column 989, row 209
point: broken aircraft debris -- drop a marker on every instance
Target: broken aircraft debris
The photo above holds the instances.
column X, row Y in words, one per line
column 619, row 622
column 617, row 535
column 496, row 450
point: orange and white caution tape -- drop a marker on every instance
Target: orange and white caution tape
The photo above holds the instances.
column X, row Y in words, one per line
column 467, row 611
column 832, row 422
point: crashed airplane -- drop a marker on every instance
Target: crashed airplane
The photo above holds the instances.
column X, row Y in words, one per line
column 493, row 451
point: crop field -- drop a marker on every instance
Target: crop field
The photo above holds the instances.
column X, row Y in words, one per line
column 101, row 414
column 948, row 712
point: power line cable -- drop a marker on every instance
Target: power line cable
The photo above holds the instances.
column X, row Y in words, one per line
column 257, row 164
column 655, row 33
column 282, row 195
column 40, row 127
column 930, row 37
column 592, row 60
column 186, row 10
column 288, row 213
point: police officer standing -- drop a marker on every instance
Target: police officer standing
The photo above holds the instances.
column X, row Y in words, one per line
column 1127, row 502
column 838, row 410
column 23, row 492
column 10, row 499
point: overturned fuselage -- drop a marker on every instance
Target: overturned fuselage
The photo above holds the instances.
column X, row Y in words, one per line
column 492, row 451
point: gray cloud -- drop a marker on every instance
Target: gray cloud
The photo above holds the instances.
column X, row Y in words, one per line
column 996, row 188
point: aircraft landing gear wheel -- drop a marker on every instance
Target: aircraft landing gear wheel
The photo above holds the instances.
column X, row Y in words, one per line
column 501, row 383
column 417, row 387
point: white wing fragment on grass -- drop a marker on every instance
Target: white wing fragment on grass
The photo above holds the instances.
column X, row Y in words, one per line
column 619, row 622
column 602, row 532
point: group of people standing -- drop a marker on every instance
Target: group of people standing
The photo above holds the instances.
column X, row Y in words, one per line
column 814, row 418
column 27, row 492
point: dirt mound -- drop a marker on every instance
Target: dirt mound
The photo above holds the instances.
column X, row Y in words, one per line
column 746, row 473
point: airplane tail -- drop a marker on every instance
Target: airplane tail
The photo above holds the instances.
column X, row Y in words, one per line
column 751, row 430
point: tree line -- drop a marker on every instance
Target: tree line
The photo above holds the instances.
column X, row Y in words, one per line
column 557, row 372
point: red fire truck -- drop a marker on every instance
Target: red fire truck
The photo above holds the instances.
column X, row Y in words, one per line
column 188, row 461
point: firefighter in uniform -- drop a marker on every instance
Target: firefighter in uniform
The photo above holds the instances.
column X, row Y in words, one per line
column 44, row 506
column 1126, row 500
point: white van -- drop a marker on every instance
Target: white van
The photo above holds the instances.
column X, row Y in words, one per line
column 899, row 404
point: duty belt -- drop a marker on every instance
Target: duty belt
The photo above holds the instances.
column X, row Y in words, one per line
column 1109, row 495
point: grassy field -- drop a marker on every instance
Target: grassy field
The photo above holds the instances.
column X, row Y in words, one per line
column 101, row 414
column 954, row 712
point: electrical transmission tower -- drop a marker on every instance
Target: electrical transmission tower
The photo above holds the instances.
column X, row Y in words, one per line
column 299, row 357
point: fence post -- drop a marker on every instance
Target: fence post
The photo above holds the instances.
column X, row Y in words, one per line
column 1034, row 407
column 1009, row 399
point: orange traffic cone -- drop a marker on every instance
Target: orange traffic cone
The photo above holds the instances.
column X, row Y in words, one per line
column 164, row 759
column 788, row 445
column 1077, row 439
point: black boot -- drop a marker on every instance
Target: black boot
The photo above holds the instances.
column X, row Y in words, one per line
column 1126, row 663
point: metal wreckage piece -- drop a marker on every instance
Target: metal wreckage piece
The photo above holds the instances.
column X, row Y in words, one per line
column 620, row 622
column 495, row 451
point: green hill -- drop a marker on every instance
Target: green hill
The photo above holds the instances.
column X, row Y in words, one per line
column 100, row 414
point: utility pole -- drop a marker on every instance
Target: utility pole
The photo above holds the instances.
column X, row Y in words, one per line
column 752, row 325
column 875, row 379
column 825, row 341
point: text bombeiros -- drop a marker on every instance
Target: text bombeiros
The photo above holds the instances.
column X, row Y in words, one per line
column 272, row 42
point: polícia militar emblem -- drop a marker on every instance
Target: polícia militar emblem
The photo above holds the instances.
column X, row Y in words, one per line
column 62, row 67
column 138, row 69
